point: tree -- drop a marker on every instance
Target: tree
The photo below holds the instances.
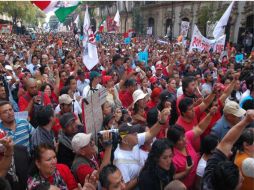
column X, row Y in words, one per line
column 138, row 21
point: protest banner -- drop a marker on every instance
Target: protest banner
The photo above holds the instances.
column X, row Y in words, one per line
column 184, row 28
column 199, row 42
column 92, row 112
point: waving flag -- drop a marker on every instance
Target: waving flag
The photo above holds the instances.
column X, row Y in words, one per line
column 117, row 18
column 219, row 28
column 61, row 8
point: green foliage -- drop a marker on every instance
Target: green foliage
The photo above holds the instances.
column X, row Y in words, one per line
column 23, row 10
column 138, row 21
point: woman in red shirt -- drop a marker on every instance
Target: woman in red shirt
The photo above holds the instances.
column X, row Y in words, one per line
column 46, row 169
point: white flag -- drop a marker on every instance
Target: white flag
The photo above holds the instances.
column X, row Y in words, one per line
column 86, row 21
column 117, row 18
column 219, row 28
column 77, row 21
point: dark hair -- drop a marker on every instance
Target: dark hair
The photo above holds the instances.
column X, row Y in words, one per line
column 174, row 133
column 44, row 85
column 64, row 90
column 152, row 117
column 104, row 174
column 45, row 114
column 186, row 81
column 184, row 104
column 37, row 155
column 129, row 82
column 248, row 104
column 225, row 176
column 68, row 81
column 158, row 148
column 247, row 136
column 165, row 96
column 208, row 144
column 3, row 103
column 115, row 58
column 4, row 184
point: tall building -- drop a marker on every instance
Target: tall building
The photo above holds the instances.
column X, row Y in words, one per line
column 166, row 16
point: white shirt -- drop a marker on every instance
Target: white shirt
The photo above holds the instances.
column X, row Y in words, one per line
column 129, row 162
column 179, row 92
column 201, row 167
column 87, row 91
column 245, row 94
column 77, row 108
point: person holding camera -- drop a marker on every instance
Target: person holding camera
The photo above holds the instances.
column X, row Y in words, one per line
column 127, row 154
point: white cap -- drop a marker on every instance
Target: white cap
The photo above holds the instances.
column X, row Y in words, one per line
column 80, row 140
column 138, row 95
column 232, row 107
column 248, row 167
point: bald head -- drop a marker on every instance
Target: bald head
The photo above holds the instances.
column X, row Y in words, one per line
column 175, row 185
column 31, row 87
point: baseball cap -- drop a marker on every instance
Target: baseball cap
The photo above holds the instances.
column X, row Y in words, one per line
column 127, row 128
column 105, row 79
column 153, row 80
column 94, row 74
column 138, row 95
column 158, row 67
column 80, row 140
column 232, row 107
column 16, row 66
column 156, row 92
column 65, row 99
column 66, row 118
column 8, row 67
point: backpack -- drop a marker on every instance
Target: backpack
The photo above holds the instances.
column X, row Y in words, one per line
column 35, row 111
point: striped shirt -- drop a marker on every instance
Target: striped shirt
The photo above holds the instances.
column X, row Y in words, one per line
column 22, row 134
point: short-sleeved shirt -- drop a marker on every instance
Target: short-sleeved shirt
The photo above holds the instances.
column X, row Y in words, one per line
column 129, row 162
column 216, row 157
column 189, row 125
column 22, row 133
column 180, row 160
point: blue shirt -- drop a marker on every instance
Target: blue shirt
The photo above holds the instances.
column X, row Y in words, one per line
column 22, row 134
column 221, row 128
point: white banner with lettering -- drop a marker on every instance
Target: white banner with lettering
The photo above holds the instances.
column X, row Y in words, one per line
column 199, row 42
column 184, row 28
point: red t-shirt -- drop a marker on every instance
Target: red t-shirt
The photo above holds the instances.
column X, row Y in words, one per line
column 126, row 98
column 150, row 104
column 67, row 176
column 84, row 170
column 189, row 125
column 24, row 100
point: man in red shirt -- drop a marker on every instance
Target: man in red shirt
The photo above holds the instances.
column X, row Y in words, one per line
column 32, row 99
column 190, row 115
column 189, row 90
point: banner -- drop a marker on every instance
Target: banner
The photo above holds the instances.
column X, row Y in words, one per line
column 199, row 42
column 143, row 56
column 149, row 30
column 184, row 28
column 111, row 25
column 5, row 28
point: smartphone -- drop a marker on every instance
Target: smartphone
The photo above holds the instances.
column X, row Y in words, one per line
column 189, row 160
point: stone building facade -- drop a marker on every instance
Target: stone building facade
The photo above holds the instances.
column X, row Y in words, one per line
column 163, row 14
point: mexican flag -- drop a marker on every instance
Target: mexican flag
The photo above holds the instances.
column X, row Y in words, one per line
column 61, row 8
column 102, row 25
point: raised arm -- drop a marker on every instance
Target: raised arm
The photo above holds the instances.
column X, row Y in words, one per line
column 207, row 101
column 204, row 123
column 234, row 133
column 5, row 162
column 229, row 89
column 162, row 119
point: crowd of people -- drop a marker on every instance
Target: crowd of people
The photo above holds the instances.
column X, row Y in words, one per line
column 178, row 120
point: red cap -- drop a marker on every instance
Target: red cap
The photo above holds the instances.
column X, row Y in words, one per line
column 159, row 66
column 153, row 80
column 156, row 92
column 21, row 75
column 106, row 78
column 103, row 72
